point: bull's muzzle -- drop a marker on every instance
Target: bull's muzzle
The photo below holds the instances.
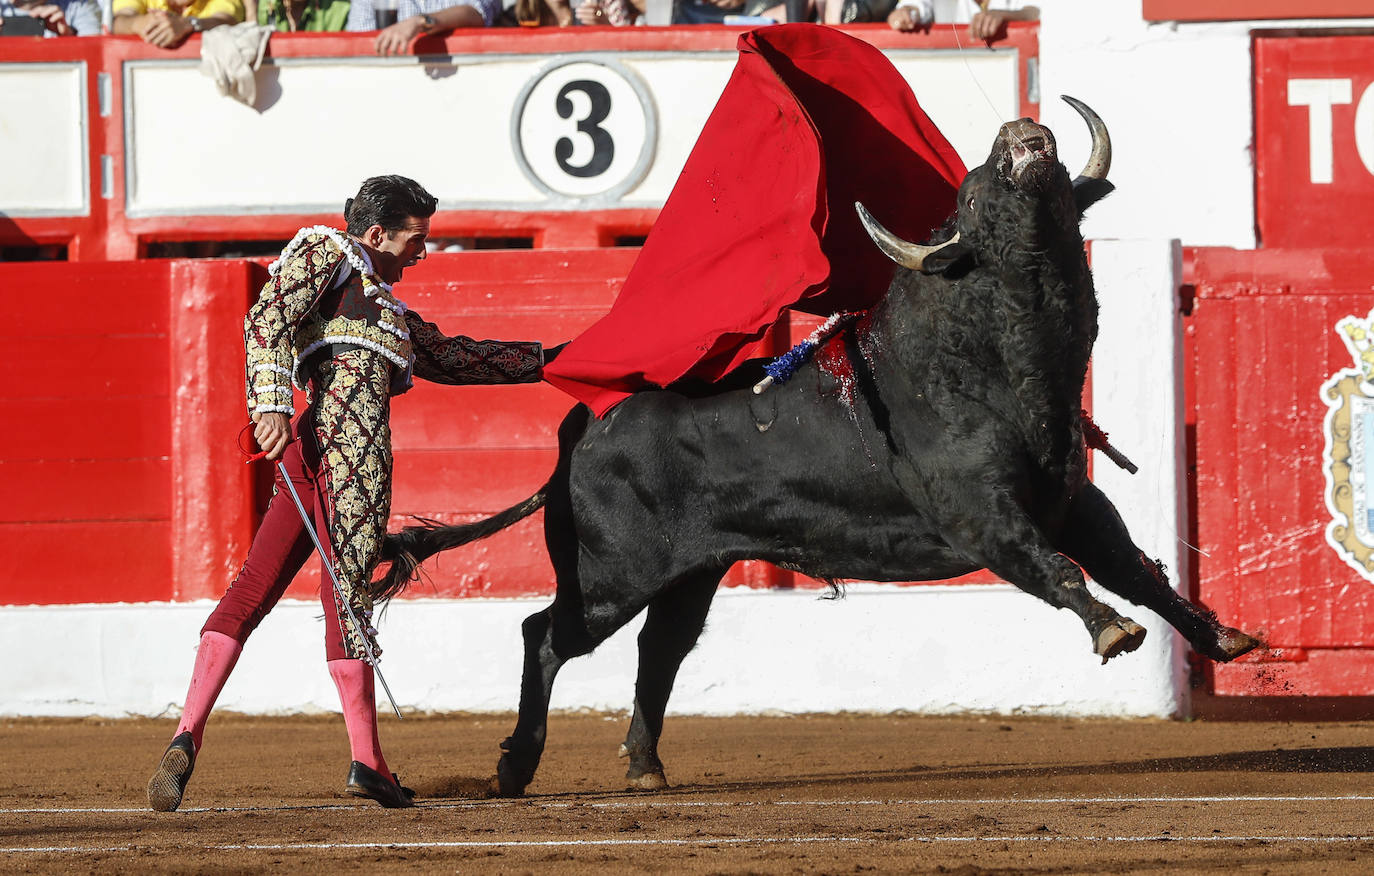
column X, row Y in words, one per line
column 1026, row 144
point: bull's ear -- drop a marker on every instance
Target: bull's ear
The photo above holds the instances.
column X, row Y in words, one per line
column 954, row 258
column 1089, row 191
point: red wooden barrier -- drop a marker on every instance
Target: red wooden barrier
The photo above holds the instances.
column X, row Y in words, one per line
column 85, row 452
column 1262, row 344
column 124, row 481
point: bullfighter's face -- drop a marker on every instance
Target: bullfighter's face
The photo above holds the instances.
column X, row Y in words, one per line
column 397, row 250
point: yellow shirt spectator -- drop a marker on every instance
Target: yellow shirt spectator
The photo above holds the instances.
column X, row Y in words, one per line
column 198, row 9
column 167, row 23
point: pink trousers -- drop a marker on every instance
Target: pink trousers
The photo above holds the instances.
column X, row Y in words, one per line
column 279, row 550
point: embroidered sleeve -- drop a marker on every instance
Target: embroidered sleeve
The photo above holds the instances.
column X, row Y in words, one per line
column 458, row 360
column 267, row 330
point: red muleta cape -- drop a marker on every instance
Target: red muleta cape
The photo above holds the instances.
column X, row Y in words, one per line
column 762, row 218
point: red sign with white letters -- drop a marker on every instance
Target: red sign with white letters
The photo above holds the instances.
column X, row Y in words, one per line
column 1314, row 140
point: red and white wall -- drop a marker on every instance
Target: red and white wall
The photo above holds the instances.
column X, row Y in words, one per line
column 127, row 510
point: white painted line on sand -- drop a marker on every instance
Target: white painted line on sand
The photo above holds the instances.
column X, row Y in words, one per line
column 696, row 842
column 672, row 802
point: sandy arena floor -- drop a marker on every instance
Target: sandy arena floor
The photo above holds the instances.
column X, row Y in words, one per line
column 819, row 794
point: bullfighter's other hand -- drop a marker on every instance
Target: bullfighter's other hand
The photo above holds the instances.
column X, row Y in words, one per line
column 272, row 432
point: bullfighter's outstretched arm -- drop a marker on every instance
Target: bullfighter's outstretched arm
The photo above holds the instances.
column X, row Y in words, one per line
column 458, row 360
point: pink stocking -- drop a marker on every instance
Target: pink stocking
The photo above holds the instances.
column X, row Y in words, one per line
column 215, row 659
column 354, row 680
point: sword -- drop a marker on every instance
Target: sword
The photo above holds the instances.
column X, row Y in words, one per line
column 338, row 588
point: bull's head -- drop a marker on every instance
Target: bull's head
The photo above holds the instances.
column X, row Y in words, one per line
column 1024, row 158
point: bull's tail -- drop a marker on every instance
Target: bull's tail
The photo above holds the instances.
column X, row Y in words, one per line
column 410, row 547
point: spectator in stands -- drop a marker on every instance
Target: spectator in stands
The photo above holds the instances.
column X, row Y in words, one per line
column 824, row 11
column 303, row 15
column 593, row 13
column 992, row 17
column 706, row 11
column 543, row 13
column 167, row 23
column 854, row 11
column 986, row 19
column 59, row 17
column 912, row 15
column 417, row 18
column 608, row 13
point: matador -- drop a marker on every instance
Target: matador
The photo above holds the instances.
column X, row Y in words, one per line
column 328, row 322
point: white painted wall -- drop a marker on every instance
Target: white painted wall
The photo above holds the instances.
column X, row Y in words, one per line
column 880, row 649
column 1177, row 101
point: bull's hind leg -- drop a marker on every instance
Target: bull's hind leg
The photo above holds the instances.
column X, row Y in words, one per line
column 1095, row 536
column 551, row 637
column 673, row 623
column 522, row 750
column 995, row 532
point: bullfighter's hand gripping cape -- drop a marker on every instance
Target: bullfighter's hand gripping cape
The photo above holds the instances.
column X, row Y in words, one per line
column 762, row 217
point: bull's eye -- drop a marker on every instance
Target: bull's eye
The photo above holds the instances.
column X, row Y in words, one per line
column 969, row 202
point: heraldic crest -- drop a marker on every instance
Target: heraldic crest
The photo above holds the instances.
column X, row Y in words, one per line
column 1349, row 456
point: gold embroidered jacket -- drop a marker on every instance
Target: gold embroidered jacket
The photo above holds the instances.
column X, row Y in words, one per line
column 303, row 308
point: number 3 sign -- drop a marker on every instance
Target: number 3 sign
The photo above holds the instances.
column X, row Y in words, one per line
column 584, row 129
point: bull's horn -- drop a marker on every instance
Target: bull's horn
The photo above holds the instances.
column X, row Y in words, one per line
column 1100, row 161
column 908, row 255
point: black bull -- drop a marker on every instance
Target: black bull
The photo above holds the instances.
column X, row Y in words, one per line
column 957, row 445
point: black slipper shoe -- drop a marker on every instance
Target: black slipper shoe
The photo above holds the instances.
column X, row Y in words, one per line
column 168, row 784
column 364, row 781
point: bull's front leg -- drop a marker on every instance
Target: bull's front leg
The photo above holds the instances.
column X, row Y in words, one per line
column 1095, row 536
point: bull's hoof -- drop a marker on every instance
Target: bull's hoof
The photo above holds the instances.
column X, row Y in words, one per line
column 645, row 772
column 1119, row 637
column 508, row 781
column 650, row 781
column 1232, row 643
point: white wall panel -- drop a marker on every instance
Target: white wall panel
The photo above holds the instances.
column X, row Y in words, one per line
column 44, row 148
column 322, row 125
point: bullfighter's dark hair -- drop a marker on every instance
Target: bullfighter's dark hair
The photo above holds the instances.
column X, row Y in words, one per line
column 387, row 201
